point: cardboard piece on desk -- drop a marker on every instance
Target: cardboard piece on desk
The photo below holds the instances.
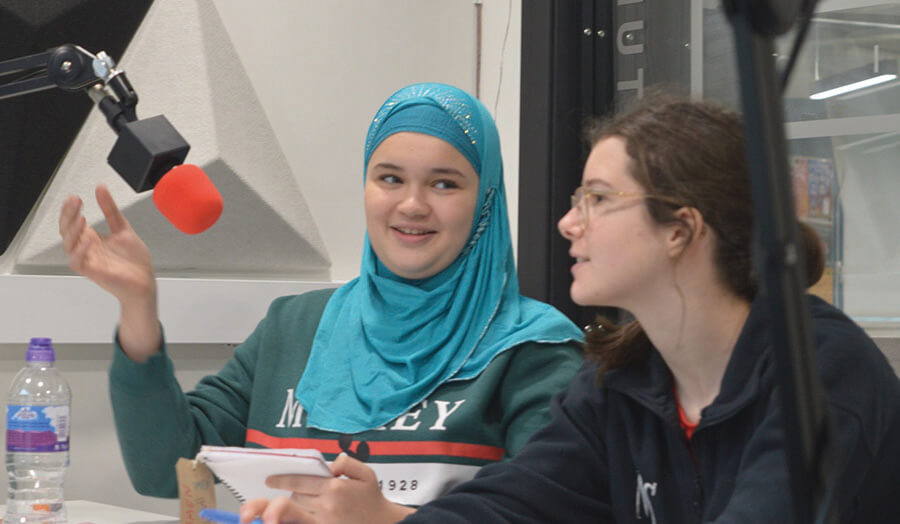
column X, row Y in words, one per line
column 196, row 489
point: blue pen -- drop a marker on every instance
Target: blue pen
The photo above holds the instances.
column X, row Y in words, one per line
column 226, row 517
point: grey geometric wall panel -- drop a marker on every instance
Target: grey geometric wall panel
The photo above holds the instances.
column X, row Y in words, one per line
column 182, row 64
column 230, row 248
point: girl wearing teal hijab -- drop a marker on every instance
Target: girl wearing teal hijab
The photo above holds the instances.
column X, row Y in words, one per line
column 409, row 378
column 453, row 323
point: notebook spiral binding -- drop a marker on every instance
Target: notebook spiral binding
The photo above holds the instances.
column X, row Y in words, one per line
column 233, row 491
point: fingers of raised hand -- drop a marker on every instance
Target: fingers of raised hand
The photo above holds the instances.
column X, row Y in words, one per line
column 77, row 236
column 80, row 246
column 69, row 210
column 70, row 221
column 78, row 253
column 114, row 217
column 73, row 234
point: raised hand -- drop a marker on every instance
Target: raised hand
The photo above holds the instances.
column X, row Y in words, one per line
column 119, row 263
column 351, row 496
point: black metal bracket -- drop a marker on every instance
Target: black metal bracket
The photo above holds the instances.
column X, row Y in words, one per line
column 67, row 66
column 73, row 68
column 144, row 150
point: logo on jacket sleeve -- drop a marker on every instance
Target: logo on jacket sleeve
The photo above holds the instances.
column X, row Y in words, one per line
column 643, row 505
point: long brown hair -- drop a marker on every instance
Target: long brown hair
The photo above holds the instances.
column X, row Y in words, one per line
column 693, row 152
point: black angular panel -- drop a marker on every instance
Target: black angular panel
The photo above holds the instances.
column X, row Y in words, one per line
column 37, row 129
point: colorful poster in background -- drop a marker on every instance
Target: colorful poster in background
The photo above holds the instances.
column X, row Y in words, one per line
column 814, row 185
column 800, row 183
column 821, row 188
column 813, row 182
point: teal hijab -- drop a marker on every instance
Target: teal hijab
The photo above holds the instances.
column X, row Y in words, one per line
column 385, row 343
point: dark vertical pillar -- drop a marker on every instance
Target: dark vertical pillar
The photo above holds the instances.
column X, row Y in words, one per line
column 566, row 79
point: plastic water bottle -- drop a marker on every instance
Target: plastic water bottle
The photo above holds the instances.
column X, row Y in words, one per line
column 37, row 439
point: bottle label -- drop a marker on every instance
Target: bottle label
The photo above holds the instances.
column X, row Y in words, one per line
column 37, row 428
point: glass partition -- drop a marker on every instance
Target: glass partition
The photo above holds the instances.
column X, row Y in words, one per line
column 842, row 108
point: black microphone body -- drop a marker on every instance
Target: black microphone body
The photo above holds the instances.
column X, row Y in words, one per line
column 146, row 150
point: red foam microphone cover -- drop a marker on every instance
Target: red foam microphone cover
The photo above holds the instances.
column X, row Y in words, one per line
column 188, row 198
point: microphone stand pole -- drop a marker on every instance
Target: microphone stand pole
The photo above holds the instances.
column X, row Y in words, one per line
column 780, row 255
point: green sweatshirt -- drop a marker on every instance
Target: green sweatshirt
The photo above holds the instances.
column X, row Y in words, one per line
column 417, row 457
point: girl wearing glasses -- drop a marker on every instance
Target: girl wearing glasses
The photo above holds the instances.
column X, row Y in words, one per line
column 412, row 376
column 676, row 418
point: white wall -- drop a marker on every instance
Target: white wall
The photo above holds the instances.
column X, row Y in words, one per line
column 501, row 61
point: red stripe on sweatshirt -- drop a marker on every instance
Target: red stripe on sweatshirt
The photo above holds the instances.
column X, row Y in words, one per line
column 381, row 447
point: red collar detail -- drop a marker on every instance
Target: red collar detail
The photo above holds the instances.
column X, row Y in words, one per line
column 686, row 425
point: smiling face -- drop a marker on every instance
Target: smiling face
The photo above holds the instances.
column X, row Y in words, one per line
column 620, row 254
column 420, row 199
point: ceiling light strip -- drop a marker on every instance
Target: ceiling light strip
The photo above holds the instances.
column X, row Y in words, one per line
column 855, row 86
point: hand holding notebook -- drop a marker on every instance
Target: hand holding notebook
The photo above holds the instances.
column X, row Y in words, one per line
column 244, row 470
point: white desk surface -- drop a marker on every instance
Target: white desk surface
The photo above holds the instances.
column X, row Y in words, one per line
column 87, row 512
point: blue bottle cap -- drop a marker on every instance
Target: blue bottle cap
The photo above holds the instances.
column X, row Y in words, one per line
column 40, row 350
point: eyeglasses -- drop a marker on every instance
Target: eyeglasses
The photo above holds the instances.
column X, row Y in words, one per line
column 589, row 200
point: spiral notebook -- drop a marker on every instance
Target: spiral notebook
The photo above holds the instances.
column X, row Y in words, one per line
column 244, row 470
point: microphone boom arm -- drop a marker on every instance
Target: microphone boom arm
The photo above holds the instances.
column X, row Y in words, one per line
column 145, row 149
column 67, row 66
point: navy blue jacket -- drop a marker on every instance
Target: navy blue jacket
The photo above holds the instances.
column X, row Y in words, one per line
column 616, row 453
